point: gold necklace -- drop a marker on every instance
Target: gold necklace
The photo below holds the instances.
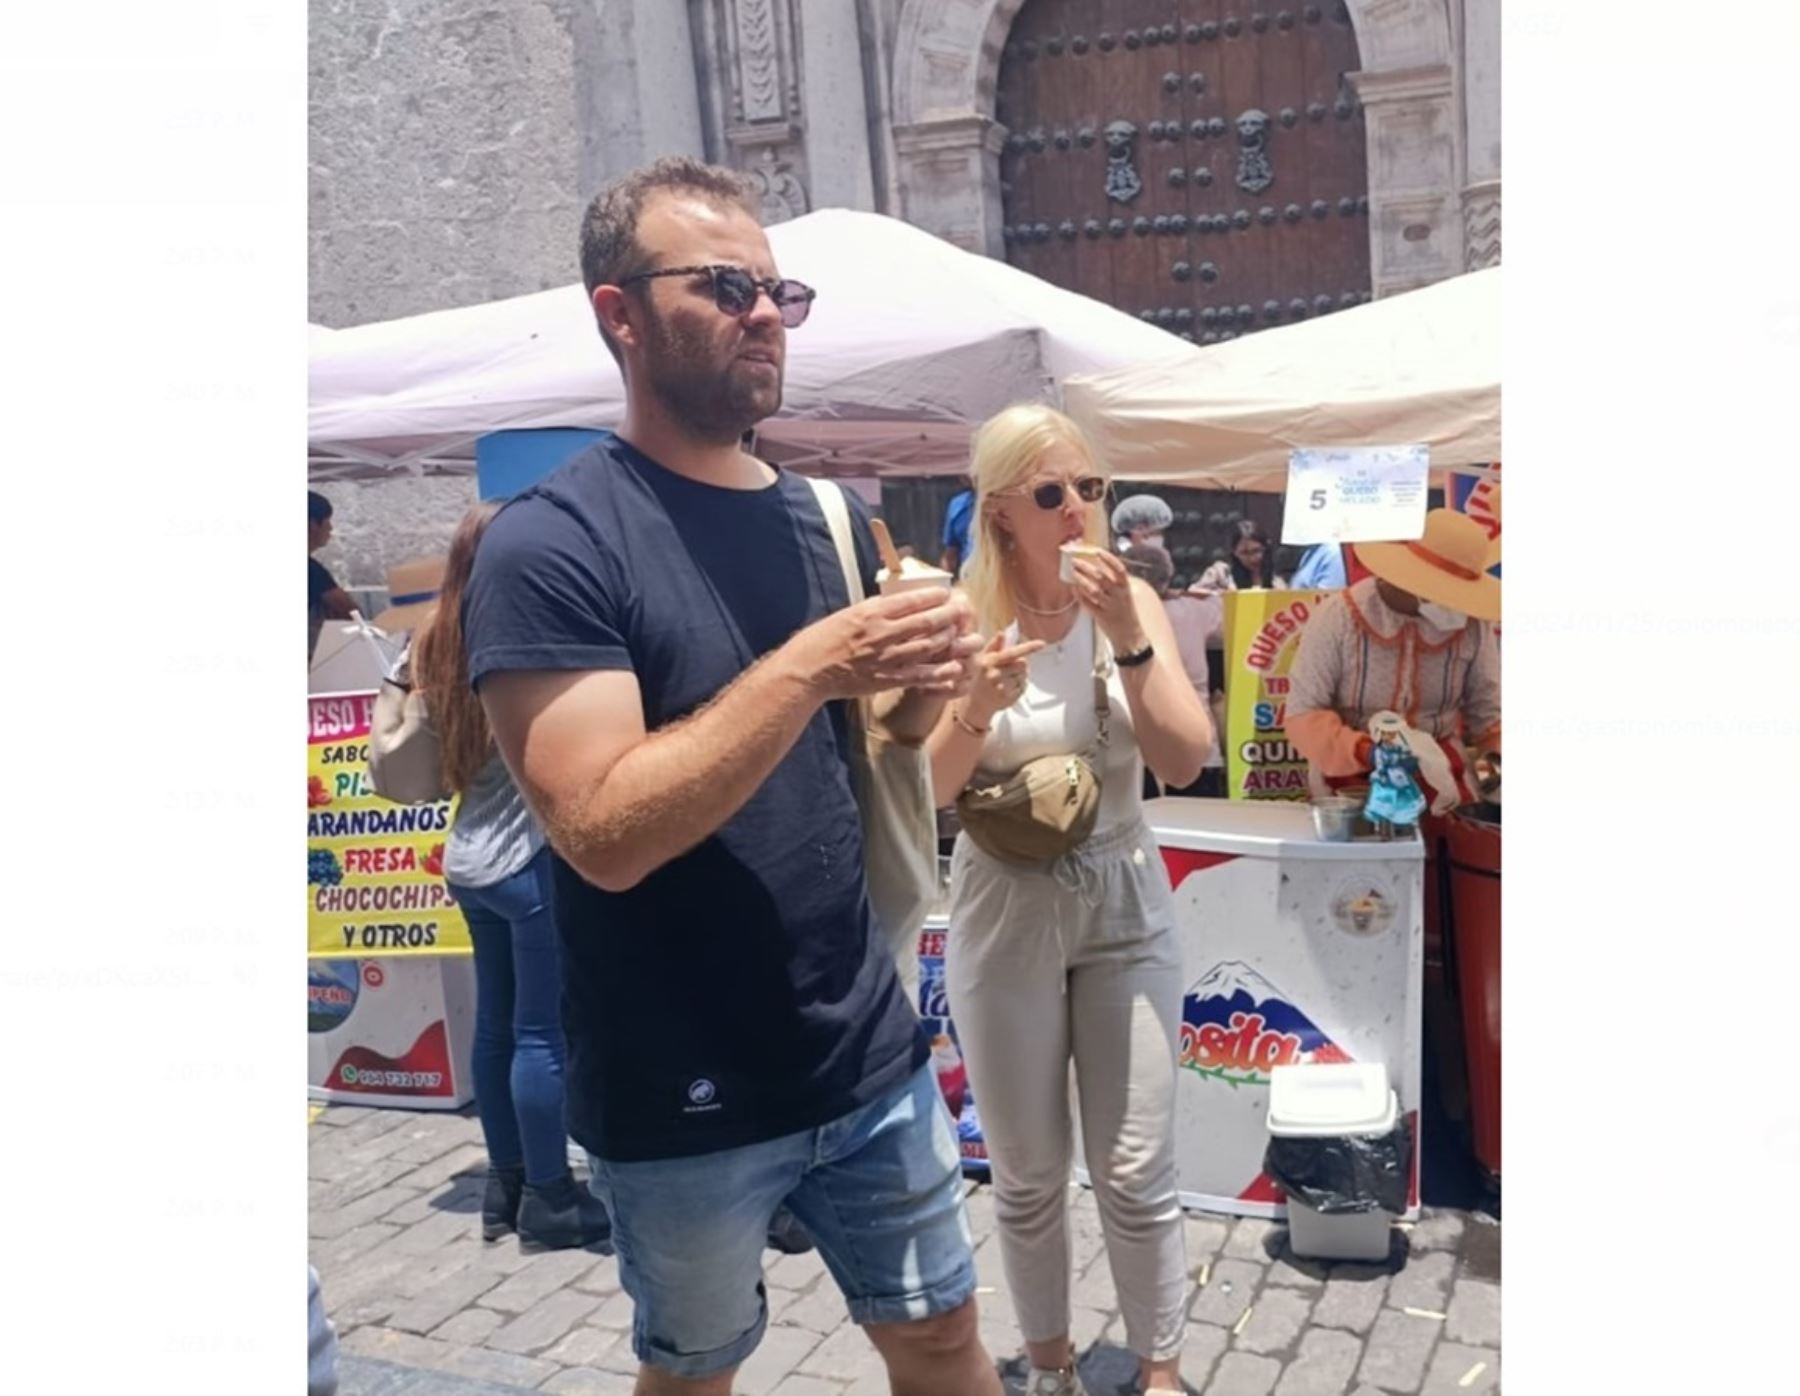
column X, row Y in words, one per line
column 1059, row 611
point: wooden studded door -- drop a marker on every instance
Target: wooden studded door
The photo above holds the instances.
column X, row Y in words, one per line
column 1198, row 163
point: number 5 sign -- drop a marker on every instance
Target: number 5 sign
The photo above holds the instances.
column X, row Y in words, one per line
column 1356, row 494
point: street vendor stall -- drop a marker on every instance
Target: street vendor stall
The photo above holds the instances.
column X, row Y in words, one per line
column 390, row 982
column 1420, row 368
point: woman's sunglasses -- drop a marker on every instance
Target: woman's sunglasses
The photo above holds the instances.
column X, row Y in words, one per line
column 734, row 291
column 1091, row 488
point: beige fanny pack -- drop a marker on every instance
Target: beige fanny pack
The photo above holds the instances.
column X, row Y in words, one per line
column 1047, row 807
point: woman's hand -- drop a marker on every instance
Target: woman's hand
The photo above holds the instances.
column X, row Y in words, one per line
column 999, row 678
column 1104, row 587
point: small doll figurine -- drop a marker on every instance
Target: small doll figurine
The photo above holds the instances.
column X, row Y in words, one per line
column 1394, row 794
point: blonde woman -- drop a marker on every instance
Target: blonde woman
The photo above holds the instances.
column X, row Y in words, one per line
column 1075, row 959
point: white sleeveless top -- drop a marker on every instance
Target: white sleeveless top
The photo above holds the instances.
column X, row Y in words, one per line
column 1055, row 716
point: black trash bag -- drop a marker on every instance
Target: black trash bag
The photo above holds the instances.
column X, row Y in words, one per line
column 1341, row 1176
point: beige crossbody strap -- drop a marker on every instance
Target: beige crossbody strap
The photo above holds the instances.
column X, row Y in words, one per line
column 1102, row 708
column 837, row 519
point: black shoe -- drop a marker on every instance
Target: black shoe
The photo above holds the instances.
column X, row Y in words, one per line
column 500, row 1203
column 561, row 1216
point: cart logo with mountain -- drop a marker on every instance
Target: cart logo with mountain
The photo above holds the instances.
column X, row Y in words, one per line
column 1238, row 1027
column 331, row 992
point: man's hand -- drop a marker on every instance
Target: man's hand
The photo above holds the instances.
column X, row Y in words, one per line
column 963, row 649
column 909, row 714
column 915, row 640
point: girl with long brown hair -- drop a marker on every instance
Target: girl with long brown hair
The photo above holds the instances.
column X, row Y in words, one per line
column 497, row 865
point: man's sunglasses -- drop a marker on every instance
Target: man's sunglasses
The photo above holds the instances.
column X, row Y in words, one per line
column 735, row 290
column 1091, row 488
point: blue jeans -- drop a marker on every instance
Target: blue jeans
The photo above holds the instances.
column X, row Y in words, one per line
column 519, row 1050
column 880, row 1189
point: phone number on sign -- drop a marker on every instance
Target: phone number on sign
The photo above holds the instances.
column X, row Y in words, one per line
column 352, row 1076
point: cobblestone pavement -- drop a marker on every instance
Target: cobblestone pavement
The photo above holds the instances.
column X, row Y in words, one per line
column 423, row 1306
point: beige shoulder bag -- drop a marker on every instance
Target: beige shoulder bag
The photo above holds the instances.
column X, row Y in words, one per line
column 892, row 784
column 1048, row 806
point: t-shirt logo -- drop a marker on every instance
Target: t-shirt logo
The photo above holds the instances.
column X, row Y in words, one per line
column 702, row 1092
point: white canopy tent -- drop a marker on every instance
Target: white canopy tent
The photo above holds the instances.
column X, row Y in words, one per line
column 1419, row 367
column 911, row 342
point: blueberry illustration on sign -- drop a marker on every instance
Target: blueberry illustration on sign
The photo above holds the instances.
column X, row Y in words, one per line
column 323, row 868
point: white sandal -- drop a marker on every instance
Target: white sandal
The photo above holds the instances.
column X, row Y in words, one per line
column 1063, row 1382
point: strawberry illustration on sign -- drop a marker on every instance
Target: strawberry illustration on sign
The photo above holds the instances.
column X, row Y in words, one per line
column 434, row 860
column 316, row 793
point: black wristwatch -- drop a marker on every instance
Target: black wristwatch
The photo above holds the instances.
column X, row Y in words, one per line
column 1136, row 657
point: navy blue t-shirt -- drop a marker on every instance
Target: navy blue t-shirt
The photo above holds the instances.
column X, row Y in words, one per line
column 739, row 992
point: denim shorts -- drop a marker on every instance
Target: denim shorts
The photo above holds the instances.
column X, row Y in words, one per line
column 879, row 1189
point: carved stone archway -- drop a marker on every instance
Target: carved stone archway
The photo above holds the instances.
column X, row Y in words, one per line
column 947, row 143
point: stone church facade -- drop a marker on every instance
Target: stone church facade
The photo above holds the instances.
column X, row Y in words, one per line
column 454, row 143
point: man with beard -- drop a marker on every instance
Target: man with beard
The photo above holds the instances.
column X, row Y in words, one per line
column 660, row 636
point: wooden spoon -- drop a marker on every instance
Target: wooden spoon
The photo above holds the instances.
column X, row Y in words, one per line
column 884, row 542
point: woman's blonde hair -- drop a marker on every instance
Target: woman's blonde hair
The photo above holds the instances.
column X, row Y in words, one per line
column 1006, row 450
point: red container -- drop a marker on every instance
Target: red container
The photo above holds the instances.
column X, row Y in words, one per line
column 1474, row 853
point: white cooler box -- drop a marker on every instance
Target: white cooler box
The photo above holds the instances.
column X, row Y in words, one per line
column 394, row 1031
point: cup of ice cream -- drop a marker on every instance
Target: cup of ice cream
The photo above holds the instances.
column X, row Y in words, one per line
column 912, row 575
column 1065, row 569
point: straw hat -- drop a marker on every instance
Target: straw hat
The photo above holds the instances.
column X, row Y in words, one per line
column 412, row 592
column 1449, row 565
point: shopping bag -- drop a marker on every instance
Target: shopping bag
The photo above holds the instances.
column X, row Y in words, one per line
column 892, row 784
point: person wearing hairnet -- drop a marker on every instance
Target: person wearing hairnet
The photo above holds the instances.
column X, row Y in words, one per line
column 1140, row 521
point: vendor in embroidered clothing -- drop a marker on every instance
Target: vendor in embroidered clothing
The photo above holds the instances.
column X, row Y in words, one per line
column 1418, row 638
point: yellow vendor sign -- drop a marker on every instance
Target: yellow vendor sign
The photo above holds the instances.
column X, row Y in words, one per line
column 1262, row 635
column 374, row 869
